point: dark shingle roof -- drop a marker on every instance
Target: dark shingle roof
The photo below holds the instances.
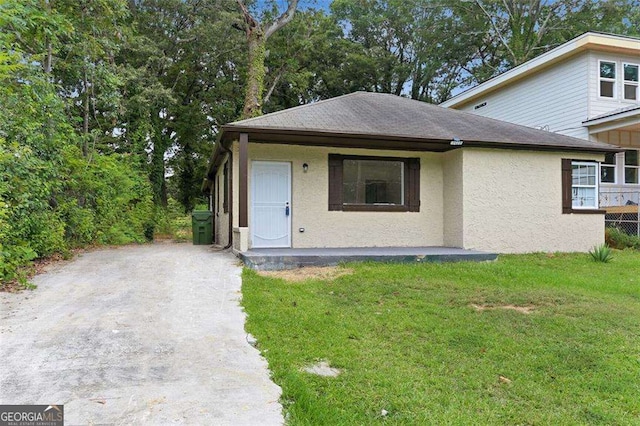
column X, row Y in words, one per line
column 394, row 117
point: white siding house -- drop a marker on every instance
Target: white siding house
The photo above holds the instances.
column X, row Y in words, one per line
column 554, row 99
column 586, row 88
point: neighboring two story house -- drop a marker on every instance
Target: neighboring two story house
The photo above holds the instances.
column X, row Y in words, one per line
column 586, row 88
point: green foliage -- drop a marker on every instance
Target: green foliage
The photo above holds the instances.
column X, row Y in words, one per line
column 111, row 203
column 601, row 253
column 57, row 191
column 617, row 238
column 172, row 222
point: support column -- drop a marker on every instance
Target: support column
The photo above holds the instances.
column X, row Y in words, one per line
column 243, row 180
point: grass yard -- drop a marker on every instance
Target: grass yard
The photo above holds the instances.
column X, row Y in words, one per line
column 421, row 342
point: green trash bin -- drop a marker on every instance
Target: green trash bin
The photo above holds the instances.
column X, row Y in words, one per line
column 202, row 227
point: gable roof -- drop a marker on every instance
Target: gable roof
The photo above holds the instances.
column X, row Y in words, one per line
column 367, row 119
column 588, row 41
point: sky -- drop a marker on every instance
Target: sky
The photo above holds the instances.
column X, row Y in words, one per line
column 303, row 4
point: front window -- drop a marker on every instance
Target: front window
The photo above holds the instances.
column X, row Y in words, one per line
column 607, row 79
column 630, row 82
column 584, row 186
column 359, row 183
column 631, row 167
column 373, row 182
column 608, row 168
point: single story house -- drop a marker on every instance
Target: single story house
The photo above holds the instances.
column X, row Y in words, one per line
column 378, row 170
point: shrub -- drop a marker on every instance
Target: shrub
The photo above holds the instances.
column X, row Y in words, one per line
column 601, row 253
column 616, row 238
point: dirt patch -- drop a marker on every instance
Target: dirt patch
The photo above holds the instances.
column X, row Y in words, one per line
column 322, row 368
column 504, row 380
column 521, row 309
column 325, row 273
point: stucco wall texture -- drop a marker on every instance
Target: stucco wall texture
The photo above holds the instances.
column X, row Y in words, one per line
column 504, row 201
column 512, row 203
column 453, row 231
column 324, row 228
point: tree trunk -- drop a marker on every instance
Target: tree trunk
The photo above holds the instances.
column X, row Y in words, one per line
column 157, row 172
column 257, row 41
column 255, row 73
column 85, row 116
column 49, row 58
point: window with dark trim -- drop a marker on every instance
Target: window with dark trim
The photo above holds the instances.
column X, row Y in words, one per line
column 225, row 186
column 359, row 183
column 579, row 186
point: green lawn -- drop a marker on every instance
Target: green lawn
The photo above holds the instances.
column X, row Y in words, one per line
column 409, row 342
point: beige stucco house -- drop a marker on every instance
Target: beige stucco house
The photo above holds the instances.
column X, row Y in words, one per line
column 378, row 170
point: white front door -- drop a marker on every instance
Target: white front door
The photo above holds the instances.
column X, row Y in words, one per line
column 270, row 204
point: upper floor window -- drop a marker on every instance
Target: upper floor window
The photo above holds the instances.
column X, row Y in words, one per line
column 630, row 89
column 607, row 79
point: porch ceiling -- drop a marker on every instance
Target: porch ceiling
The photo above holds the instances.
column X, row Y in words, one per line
column 632, row 126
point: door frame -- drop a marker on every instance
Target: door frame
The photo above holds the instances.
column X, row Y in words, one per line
column 252, row 197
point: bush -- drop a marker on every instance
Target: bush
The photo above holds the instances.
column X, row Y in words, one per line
column 53, row 195
column 172, row 222
column 619, row 239
column 601, row 253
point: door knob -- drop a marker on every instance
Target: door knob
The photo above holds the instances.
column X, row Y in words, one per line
column 286, row 209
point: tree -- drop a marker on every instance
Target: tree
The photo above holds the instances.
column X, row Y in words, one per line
column 516, row 31
column 257, row 35
column 308, row 60
column 52, row 197
column 404, row 49
column 182, row 86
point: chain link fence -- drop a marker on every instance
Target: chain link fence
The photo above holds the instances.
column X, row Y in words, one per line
column 622, row 210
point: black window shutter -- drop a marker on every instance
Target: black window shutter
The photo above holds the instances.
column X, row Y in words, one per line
column 335, row 182
column 566, row 185
column 414, row 184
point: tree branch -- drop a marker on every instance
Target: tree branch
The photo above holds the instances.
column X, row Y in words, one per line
column 282, row 20
column 248, row 18
column 496, row 29
column 274, row 84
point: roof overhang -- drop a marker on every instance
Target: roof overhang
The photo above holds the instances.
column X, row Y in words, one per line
column 390, row 142
column 337, row 139
column 588, row 41
column 628, row 120
column 386, row 141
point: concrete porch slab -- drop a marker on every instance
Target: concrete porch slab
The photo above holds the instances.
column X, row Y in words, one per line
column 274, row 259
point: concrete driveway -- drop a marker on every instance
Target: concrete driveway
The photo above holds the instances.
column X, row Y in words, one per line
column 149, row 334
